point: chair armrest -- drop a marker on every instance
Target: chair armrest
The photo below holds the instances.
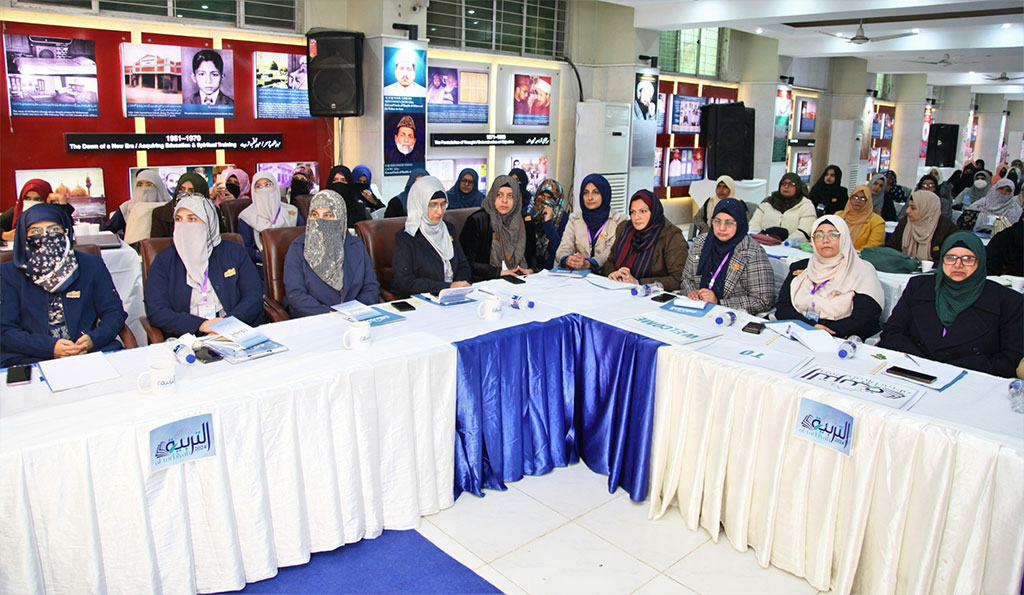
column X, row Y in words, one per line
column 152, row 333
column 128, row 338
column 387, row 296
column 274, row 310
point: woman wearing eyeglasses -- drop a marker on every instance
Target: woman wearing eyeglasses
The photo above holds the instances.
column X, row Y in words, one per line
column 867, row 229
column 427, row 259
column 834, row 290
column 787, row 208
column 726, row 266
column 957, row 316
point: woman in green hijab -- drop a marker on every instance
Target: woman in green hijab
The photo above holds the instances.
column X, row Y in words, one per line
column 957, row 316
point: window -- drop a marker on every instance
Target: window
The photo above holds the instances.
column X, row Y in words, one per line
column 691, row 51
column 521, row 27
column 275, row 14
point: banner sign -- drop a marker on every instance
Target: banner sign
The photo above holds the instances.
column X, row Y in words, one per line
column 169, row 81
column 405, row 108
column 755, row 354
column 488, row 139
column 870, row 388
column 77, row 142
column 456, row 96
column 824, row 425
column 51, row 76
column 281, row 85
column 180, row 441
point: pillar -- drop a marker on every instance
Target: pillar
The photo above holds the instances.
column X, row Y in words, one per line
column 758, row 68
column 1015, row 130
column 846, row 102
column 956, row 105
column 909, row 95
column 990, row 118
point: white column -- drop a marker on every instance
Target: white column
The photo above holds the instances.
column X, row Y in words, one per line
column 990, row 118
column 906, row 137
column 759, row 79
column 1015, row 130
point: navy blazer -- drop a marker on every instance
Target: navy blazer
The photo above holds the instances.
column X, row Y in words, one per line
column 249, row 239
column 476, row 244
column 417, row 267
column 116, row 224
column 862, row 322
column 232, row 275
column 91, row 306
column 309, row 295
column 988, row 336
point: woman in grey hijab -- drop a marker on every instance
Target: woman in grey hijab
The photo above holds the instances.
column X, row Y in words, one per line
column 499, row 239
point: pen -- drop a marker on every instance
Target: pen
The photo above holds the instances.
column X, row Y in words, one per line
column 916, row 363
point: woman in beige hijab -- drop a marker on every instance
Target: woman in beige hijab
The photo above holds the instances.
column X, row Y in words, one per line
column 920, row 233
column 724, row 188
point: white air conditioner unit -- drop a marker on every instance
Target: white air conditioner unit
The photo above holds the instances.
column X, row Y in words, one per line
column 602, row 146
column 844, row 150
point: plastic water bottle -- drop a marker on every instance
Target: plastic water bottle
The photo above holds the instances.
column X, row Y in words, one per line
column 1017, row 396
column 183, row 353
column 849, row 347
column 647, row 289
column 726, row 319
column 518, row 302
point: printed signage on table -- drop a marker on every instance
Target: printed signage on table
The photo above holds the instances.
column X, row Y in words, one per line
column 281, row 90
column 51, row 76
column 869, row 388
column 405, row 97
column 824, row 425
column 456, row 96
column 666, row 327
column 755, row 354
column 165, row 81
column 83, row 188
column 645, row 119
column 531, row 100
column 180, row 441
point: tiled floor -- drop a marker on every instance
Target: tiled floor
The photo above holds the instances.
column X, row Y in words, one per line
column 564, row 533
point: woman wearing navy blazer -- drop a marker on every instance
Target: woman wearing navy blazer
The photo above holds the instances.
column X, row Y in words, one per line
column 327, row 265
column 56, row 302
column 427, row 259
column 267, row 211
column 203, row 279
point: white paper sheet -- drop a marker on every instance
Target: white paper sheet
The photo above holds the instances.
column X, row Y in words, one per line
column 685, row 302
column 744, row 353
column 944, row 374
column 606, row 283
column 77, row 370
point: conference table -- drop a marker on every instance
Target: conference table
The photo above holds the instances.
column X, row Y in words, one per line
column 319, row 446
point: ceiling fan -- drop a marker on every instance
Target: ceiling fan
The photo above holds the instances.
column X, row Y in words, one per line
column 1002, row 78
column 859, row 38
column 945, row 60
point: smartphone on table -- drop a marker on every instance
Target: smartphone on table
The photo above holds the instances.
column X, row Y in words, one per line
column 19, row 375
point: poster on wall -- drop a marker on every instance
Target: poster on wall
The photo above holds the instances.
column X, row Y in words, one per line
column 808, row 113
column 83, row 188
column 447, row 169
column 686, row 114
column 659, row 155
column 456, row 96
column 531, row 100
column 282, row 171
column 887, row 125
column 803, row 166
column 783, row 112
column 51, row 76
column 170, row 174
column 405, row 106
column 169, row 81
column 662, row 98
column 535, row 166
column 883, row 160
column 645, row 114
column 281, row 85
column 876, row 125
column 685, row 165
column 925, row 130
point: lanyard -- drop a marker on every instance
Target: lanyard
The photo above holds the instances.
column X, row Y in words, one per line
column 276, row 215
column 593, row 237
column 815, row 288
column 206, row 278
column 711, row 284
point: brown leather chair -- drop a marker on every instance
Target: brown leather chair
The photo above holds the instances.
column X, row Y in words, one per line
column 275, row 247
column 457, row 217
column 379, row 237
column 230, row 209
column 301, row 202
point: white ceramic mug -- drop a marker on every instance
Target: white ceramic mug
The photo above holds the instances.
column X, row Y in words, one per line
column 357, row 337
column 159, row 378
column 927, row 265
column 490, row 308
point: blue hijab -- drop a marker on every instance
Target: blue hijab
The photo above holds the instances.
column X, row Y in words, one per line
column 458, row 200
column 50, row 260
column 715, row 251
column 403, row 196
column 40, row 212
column 524, row 181
column 362, row 170
column 595, row 218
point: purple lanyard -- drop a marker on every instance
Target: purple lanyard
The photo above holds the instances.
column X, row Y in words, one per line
column 815, row 288
column 593, row 237
column 711, row 283
column 206, row 277
column 276, row 215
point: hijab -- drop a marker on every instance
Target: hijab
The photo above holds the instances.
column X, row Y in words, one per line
column 403, row 196
column 508, row 237
column 524, row 192
column 239, row 190
column 597, row 217
column 712, row 203
column 47, row 260
column 856, row 213
column 42, row 187
column 830, row 283
column 894, row 192
column 937, row 174
column 194, row 242
column 549, row 194
column 715, row 253
column 325, row 239
column 267, row 211
column 360, row 171
column 634, row 249
column 138, row 211
column 422, row 192
column 953, row 297
column 354, row 209
column 781, row 203
column 460, row 200
column 822, row 193
column 301, row 187
column 996, row 204
column 927, row 176
column 917, row 235
column 877, row 198
column 976, row 193
column 199, row 184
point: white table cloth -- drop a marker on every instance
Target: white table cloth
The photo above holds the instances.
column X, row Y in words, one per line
column 125, row 268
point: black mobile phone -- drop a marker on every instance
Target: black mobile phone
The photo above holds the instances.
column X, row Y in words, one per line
column 664, row 297
column 911, row 374
column 207, row 355
column 403, row 306
column 753, row 328
column 19, row 375
column 513, row 279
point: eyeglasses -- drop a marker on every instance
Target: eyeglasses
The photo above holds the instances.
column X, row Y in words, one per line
column 38, row 231
column 821, row 235
column 927, row 185
column 438, row 206
column 967, row 261
column 858, row 198
column 723, row 222
column 788, row 183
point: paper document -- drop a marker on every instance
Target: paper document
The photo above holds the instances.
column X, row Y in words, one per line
column 77, row 370
column 944, row 374
column 685, row 302
column 606, row 283
column 569, row 272
column 755, row 355
column 355, row 311
column 235, row 331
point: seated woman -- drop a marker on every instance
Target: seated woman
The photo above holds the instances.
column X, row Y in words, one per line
column 202, row 280
column 464, row 193
column 340, row 180
column 135, row 216
column 397, row 204
column 834, row 290
column 998, row 202
column 727, row 266
column 327, row 265
column 590, row 233
column 978, row 188
column 57, row 301
column 931, row 182
column 266, row 212
column 957, row 316
column 881, row 203
column 647, row 248
column 34, row 192
column 725, row 188
column 867, row 229
column 788, row 208
column 894, row 193
column 519, row 175
column 828, row 194
column 366, row 191
column 302, row 181
column 1005, row 251
column 498, row 240
column 921, row 232
column 163, row 219
column 552, row 218
column 427, row 258
column 236, row 182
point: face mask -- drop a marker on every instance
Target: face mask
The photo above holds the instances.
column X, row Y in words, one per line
column 345, row 190
column 979, row 184
column 190, row 242
column 299, row 187
column 143, row 194
column 359, row 188
column 234, row 189
column 50, row 242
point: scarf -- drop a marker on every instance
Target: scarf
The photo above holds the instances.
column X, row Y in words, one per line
column 781, row 203
column 917, row 235
column 47, row 260
column 976, row 193
column 194, row 242
column 856, row 214
column 995, row 204
column 953, row 297
column 241, row 190
column 634, row 249
column 301, row 187
column 403, row 196
column 199, row 185
column 712, row 202
column 422, row 192
column 138, row 211
column 894, row 192
column 830, row 283
column 459, row 200
column 596, row 218
column 267, row 211
column 360, row 171
column 715, row 254
column 549, row 194
column 508, row 232
column 524, row 192
column 325, row 239
column 822, row 193
column 877, row 199
column 42, row 188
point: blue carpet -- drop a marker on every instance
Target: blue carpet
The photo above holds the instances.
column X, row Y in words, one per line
column 395, row 562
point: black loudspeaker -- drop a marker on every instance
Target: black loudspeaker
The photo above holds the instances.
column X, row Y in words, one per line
column 727, row 133
column 942, row 139
column 334, row 67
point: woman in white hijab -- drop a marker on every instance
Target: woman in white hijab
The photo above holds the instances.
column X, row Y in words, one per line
column 998, row 202
column 725, row 187
column 834, row 290
column 427, row 259
column 267, row 211
column 135, row 216
column 203, row 279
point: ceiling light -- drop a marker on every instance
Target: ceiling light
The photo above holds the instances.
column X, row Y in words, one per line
column 1006, row 25
column 759, row 30
column 915, row 30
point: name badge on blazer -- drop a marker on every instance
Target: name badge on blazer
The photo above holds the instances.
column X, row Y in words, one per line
column 734, row 266
column 797, row 272
column 73, row 294
column 229, row 273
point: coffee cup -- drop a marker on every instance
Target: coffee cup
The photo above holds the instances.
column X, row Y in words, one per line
column 927, row 265
column 490, row 308
column 357, row 337
column 159, row 378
